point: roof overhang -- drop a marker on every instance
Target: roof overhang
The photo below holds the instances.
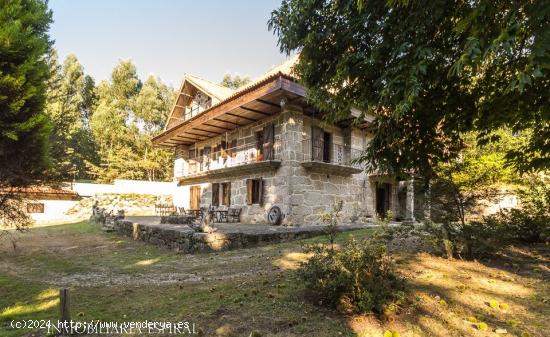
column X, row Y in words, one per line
column 246, row 106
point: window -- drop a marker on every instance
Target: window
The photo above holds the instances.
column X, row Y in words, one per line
column 223, row 198
column 215, row 194
column 254, row 191
column 226, row 194
column 35, row 208
column 264, row 142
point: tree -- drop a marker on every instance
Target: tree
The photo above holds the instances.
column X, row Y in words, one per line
column 235, row 81
column 477, row 176
column 71, row 99
column 429, row 72
column 129, row 112
column 24, row 127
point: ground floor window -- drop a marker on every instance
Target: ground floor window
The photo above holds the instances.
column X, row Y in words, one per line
column 223, row 198
column 254, row 191
column 35, row 207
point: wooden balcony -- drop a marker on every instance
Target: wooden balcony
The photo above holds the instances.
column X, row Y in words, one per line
column 239, row 160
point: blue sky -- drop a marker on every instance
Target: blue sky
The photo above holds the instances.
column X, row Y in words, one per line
column 167, row 38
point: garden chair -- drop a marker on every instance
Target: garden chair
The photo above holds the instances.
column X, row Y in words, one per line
column 233, row 214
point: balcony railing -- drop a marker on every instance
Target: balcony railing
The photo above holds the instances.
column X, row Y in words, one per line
column 191, row 111
column 330, row 153
column 232, row 157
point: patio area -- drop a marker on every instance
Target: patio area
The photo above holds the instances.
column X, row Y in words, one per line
column 184, row 239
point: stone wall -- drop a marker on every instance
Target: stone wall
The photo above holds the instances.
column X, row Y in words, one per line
column 183, row 239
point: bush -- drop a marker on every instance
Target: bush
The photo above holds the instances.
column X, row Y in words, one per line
column 525, row 225
column 531, row 222
column 469, row 240
column 359, row 277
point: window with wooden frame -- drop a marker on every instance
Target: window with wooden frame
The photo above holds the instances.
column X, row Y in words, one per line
column 226, row 194
column 215, row 194
column 35, row 207
column 254, row 191
column 268, row 140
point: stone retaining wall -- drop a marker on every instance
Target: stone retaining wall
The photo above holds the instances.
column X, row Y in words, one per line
column 183, row 239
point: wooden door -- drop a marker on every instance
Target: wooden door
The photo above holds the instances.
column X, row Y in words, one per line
column 383, row 198
column 195, row 197
column 317, row 141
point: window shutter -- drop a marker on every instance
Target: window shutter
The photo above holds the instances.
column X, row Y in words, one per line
column 269, row 135
column 261, row 192
column 228, row 185
column 226, row 194
column 215, row 194
column 249, row 191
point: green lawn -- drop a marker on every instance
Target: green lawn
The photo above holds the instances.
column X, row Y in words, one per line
column 237, row 292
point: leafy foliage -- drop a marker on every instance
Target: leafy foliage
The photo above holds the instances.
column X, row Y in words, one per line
column 128, row 114
column 428, row 71
column 460, row 186
column 70, row 101
column 235, row 81
column 468, row 240
column 531, row 222
column 358, row 277
column 332, row 219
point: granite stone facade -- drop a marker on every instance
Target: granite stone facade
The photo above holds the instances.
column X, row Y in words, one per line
column 302, row 192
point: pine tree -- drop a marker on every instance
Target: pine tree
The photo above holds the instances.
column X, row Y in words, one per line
column 24, row 127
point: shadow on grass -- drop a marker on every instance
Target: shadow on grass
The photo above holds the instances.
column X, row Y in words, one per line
column 452, row 298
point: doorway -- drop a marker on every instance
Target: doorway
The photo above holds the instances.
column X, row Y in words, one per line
column 195, row 197
column 383, row 198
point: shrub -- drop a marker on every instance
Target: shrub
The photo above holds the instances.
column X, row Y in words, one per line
column 469, row 240
column 527, row 225
column 359, row 277
column 332, row 219
column 531, row 222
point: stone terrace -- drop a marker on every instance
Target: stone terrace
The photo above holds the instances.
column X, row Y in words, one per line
column 182, row 238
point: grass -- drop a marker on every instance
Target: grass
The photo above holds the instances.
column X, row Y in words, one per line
column 237, row 292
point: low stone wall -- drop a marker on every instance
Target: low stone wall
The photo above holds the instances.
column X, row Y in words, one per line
column 182, row 238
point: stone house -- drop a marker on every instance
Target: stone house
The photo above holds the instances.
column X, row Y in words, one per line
column 263, row 145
